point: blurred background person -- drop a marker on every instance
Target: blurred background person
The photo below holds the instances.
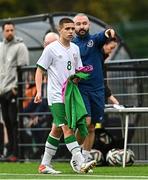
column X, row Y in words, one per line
column 13, row 53
column 104, row 141
column 107, row 50
column 3, row 138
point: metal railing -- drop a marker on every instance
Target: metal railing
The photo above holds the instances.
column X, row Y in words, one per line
column 128, row 80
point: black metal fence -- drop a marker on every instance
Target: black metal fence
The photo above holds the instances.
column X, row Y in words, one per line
column 128, row 80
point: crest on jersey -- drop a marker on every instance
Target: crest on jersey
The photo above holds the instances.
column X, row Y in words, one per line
column 90, row 43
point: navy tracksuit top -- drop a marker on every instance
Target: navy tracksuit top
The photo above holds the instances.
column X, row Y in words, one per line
column 91, row 54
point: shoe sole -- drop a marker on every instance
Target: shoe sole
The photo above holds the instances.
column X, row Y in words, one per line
column 46, row 172
column 42, row 171
column 86, row 169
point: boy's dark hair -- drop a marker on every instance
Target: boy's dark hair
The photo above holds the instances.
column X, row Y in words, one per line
column 7, row 22
column 65, row 20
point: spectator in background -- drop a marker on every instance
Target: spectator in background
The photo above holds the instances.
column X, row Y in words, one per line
column 1, row 136
column 30, row 91
column 100, row 131
column 108, row 48
column 50, row 37
column 13, row 53
column 32, row 119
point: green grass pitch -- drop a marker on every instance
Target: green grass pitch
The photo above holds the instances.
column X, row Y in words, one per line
column 29, row 171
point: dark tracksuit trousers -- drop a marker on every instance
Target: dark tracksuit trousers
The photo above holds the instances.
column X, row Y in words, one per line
column 8, row 103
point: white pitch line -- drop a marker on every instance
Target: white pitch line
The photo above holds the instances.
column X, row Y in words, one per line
column 77, row 175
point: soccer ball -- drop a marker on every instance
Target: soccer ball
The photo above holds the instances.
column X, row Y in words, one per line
column 115, row 157
column 130, row 157
column 111, row 157
column 98, row 156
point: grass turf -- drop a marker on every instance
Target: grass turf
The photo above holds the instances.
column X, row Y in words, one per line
column 29, row 171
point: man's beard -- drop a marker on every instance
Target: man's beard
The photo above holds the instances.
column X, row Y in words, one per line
column 10, row 38
column 82, row 34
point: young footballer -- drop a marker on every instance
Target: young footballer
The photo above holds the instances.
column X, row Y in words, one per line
column 60, row 59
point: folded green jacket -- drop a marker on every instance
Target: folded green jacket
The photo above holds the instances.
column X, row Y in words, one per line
column 74, row 105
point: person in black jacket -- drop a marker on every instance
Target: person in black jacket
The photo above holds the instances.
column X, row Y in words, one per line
column 108, row 48
column 104, row 141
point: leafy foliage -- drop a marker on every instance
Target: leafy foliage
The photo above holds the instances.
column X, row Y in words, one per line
column 108, row 10
column 111, row 11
